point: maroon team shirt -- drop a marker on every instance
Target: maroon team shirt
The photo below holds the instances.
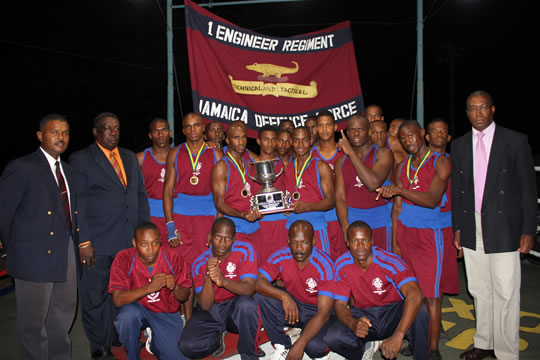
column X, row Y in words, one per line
column 240, row 264
column 330, row 161
column 203, row 171
column 153, row 173
column 379, row 285
column 356, row 193
column 129, row 273
column 306, row 284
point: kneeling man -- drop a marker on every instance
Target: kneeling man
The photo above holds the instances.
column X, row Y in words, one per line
column 306, row 299
column 148, row 284
column 224, row 278
column 386, row 302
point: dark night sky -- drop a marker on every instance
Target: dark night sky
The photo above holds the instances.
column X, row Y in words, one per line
column 80, row 58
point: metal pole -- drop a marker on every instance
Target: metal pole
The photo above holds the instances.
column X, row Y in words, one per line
column 420, row 72
column 170, row 75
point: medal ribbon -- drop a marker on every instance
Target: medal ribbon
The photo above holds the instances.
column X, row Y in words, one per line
column 299, row 177
column 194, row 163
column 237, row 167
column 418, row 169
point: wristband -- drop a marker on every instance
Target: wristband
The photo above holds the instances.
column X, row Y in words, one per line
column 171, row 230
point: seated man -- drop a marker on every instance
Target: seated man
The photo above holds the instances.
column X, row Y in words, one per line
column 147, row 284
column 224, row 278
column 377, row 281
column 306, row 299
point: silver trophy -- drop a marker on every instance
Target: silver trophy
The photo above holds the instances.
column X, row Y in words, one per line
column 269, row 199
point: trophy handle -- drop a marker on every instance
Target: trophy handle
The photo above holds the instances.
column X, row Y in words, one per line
column 249, row 175
column 279, row 173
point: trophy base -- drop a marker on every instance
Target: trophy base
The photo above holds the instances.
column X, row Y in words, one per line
column 271, row 202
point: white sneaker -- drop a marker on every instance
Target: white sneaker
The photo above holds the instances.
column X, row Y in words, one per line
column 148, row 332
column 280, row 353
column 370, row 349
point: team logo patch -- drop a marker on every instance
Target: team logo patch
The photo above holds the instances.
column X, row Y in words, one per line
column 153, row 297
column 231, row 269
column 311, row 285
column 359, row 183
column 162, row 175
column 378, row 284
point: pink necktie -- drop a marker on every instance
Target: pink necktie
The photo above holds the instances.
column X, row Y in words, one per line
column 480, row 171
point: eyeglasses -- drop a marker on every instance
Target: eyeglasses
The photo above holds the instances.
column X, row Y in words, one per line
column 482, row 108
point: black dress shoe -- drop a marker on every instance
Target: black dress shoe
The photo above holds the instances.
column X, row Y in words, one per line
column 103, row 354
column 477, row 354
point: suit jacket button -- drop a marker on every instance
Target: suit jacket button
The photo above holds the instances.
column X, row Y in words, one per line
column 76, row 212
column 461, row 171
column 499, row 212
column 49, row 251
column 505, row 171
column 501, row 192
column 49, row 212
column 77, row 229
column 465, row 211
column 52, row 233
column 463, row 192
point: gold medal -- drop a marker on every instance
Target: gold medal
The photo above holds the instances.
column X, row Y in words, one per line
column 193, row 180
column 296, row 196
column 244, row 193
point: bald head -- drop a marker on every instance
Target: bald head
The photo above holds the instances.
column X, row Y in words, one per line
column 374, row 113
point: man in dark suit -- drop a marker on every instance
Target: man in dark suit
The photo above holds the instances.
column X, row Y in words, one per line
column 494, row 219
column 112, row 201
column 37, row 219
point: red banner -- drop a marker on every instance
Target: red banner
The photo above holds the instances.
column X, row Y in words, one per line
column 238, row 74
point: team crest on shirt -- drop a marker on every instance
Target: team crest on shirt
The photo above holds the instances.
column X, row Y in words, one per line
column 231, row 269
column 415, row 185
column 359, row 183
column 311, row 285
column 248, row 188
column 378, row 284
column 153, row 297
column 198, row 169
column 162, row 175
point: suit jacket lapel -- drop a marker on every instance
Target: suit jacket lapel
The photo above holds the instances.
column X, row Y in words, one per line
column 105, row 164
column 496, row 153
column 49, row 180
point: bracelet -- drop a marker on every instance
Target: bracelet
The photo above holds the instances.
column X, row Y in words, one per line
column 171, row 231
column 84, row 244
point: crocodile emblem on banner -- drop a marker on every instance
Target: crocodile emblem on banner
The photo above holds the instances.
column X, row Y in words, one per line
column 272, row 82
column 270, row 69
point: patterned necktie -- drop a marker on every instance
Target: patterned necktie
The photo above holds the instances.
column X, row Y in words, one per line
column 480, row 172
column 116, row 167
column 63, row 193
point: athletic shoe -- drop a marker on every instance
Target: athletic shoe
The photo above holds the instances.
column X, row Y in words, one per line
column 280, row 353
column 148, row 333
column 370, row 349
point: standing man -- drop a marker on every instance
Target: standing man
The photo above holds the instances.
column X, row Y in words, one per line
column 494, row 220
column 284, row 146
column 112, row 202
column 378, row 133
column 232, row 187
column 438, row 139
column 374, row 113
column 311, row 124
column 393, row 141
column 286, row 125
column 386, row 302
column 38, row 225
column 188, row 204
column 328, row 151
column 213, row 134
column 153, row 163
column 363, row 169
column 306, row 298
column 311, row 184
column 421, row 181
column 272, row 233
column 224, row 278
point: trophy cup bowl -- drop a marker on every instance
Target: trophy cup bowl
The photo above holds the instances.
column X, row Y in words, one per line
column 268, row 199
